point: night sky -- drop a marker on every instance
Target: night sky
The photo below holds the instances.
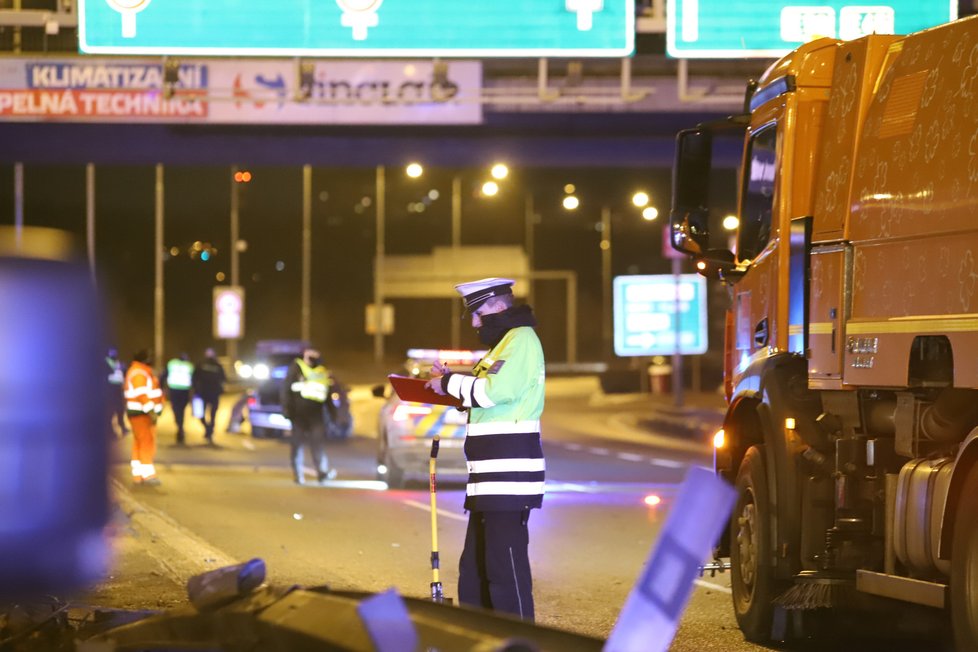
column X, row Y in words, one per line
column 197, row 207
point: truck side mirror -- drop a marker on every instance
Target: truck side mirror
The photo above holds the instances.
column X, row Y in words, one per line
column 691, row 191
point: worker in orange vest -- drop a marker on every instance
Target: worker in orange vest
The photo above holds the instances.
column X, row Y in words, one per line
column 144, row 402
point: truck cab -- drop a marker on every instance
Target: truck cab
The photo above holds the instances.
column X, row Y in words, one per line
column 851, row 431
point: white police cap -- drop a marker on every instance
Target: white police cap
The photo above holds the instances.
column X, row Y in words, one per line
column 476, row 293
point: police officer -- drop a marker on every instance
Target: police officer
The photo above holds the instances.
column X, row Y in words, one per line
column 208, row 383
column 178, row 379
column 504, row 394
column 304, row 394
column 117, row 398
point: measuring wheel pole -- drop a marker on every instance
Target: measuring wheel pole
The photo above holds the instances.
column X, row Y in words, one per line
column 436, row 592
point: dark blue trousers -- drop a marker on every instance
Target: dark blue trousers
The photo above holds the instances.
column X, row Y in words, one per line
column 494, row 569
column 178, row 403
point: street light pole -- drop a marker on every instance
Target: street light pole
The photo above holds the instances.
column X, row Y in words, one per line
column 529, row 218
column 232, row 344
column 456, row 245
column 306, row 251
column 18, row 204
column 677, row 358
column 381, row 191
column 158, row 298
column 90, row 216
column 606, row 280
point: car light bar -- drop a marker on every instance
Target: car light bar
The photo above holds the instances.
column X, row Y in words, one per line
column 405, row 411
column 446, row 356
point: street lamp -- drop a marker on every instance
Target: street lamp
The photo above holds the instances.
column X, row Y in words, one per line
column 639, row 199
column 489, row 189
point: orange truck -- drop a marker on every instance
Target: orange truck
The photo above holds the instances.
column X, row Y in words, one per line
column 851, row 353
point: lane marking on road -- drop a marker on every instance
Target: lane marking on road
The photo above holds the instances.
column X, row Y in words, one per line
column 712, row 586
column 669, row 464
column 369, row 485
column 631, row 457
column 440, row 512
column 572, row 447
column 598, row 451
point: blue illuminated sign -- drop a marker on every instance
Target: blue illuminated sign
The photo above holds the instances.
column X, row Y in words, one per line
column 645, row 314
column 359, row 28
column 748, row 28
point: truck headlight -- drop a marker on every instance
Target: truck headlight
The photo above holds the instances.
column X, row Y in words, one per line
column 260, row 371
column 245, row 370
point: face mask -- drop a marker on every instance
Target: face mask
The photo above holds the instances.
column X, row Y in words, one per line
column 493, row 328
column 314, row 361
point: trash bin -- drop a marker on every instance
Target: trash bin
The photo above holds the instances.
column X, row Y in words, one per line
column 660, row 378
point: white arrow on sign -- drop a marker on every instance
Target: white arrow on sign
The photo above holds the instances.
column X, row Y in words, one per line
column 585, row 10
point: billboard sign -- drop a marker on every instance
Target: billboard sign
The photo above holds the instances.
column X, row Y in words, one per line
column 358, row 28
column 255, row 91
column 648, row 318
column 715, row 29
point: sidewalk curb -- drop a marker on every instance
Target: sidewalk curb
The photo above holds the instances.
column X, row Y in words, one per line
column 180, row 553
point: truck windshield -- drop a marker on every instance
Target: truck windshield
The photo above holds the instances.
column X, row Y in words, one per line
column 758, row 195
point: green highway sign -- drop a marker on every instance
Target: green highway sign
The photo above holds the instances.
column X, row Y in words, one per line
column 714, row 29
column 652, row 312
column 359, row 28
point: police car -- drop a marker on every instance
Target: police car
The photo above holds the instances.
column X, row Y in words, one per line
column 406, row 429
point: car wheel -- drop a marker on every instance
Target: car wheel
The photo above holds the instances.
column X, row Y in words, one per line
column 964, row 567
column 751, row 574
column 261, row 433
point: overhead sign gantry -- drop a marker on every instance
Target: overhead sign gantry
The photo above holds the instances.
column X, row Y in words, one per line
column 747, row 28
column 359, row 28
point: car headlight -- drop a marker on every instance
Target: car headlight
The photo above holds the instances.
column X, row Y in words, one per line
column 245, row 370
column 260, row 371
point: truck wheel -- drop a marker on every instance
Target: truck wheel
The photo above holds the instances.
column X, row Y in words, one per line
column 964, row 567
column 751, row 574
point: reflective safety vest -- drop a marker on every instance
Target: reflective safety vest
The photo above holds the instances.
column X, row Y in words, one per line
column 179, row 373
column 503, row 452
column 315, row 385
column 116, row 375
column 143, row 392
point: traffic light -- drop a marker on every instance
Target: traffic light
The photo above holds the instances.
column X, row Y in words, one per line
column 242, row 176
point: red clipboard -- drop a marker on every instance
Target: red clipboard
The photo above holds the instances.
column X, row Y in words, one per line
column 414, row 390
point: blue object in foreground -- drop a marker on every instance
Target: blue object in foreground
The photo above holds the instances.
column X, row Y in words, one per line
column 650, row 617
column 387, row 621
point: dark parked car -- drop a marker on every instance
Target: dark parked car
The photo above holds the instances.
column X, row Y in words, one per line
column 267, row 371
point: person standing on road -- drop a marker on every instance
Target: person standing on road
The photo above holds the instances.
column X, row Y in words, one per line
column 144, row 402
column 117, row 395
column 304, row 395
column 208, row 383
column 178, row 380
column 504, row 395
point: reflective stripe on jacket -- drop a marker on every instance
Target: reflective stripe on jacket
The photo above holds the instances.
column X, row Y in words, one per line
column 315, row 383
column 143, row 393
column 505, row 394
